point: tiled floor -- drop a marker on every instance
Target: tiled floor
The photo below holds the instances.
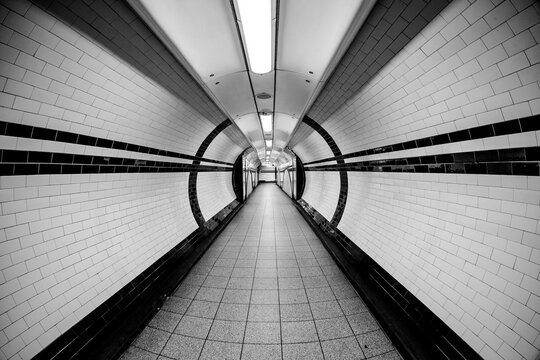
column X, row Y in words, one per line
column 266, row 289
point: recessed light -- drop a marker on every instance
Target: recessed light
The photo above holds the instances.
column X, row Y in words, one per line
column 211, row 75
column 311, row 72
column 308, row 81
column 217, row 82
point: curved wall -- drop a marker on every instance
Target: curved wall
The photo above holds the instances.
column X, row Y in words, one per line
column 436, row 124
column 98, row 145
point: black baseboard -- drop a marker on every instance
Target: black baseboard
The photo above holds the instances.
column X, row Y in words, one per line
column 414, row 329
column 108, row 330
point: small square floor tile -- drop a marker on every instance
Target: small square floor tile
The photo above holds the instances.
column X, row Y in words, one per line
column 320, row 294
column 291, row 283
column 375, row 343
column 240, row 283
column 152, row 340
column 221, row 271
column 205, row 309
column 265, row 273
column 201, row 269
column 311, row 282
column 227, row 262
column 194, row 326
column 216, row 281
column 234, row 312
column 230, row 331
column 176, row 305
column 333, row 328
column 210, row 294
column 165, row 320
column 186, row 291
column 135, row 353
column 183, row 347
column 305, row 351
column 264, row 297
column 263, row 333
column 261, row 352
column 363, row 323
column 218, row 350
column 286, row 263
column 243, row 272
column 352, row 306
column 292, row 296
column 245, row 263
column 326, row 309
column 235, row 296
column 261, row 263
column 261, row 312
column 298, row 331
column 307, row 263
column 265, row 284
column 342, row 349
column 311, row 270
column 345, row 291
column 194, row 279
column 295, row 312
column 290, row 272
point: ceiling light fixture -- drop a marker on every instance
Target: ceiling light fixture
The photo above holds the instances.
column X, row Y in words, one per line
column 256, row 19
column 268, row 143
column 266, row 121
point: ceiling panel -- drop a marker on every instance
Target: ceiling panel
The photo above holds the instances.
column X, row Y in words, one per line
column 234, row 92
column 292, row 93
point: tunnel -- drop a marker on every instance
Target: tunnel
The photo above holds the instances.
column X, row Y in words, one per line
column 369, row 190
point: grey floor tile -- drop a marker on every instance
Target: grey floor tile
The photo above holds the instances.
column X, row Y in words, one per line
column 186, row 291
column 246, row 272
column 263, row 333
column 264, row 297
column 221, row 271
column 375, row 343
column 183, row 347
column 288, row 272
column 298, row 331
column 320, row 294
column 265, row 284
column 246, row 263
column 152, row 340
column 292, row 296
column 201, row 269
column 265, row 273
column 295, row 312
column 287, row 263
column 176, row 305
column 194, row 279
column 265, row 313
column 210, row 294
column 227, row 262
column 311, row 270
column 216, row 281
column 261, row 352
column 307, row 263
column 230, row 331
column 352, row 306
column 218, row 350
column 240, row 283
column 342, row 349
column 343, row 291
column 262, row 263
column 233, row 312
column 326, row 309
column 304, row 351
column 194, row 326
column 135, row 353
column 203, row 309
column 165, row 320
column 334, row 328
column 291, row 283
column 392, row 355
column 363, row 323
column 311, row 282
column 236, row 296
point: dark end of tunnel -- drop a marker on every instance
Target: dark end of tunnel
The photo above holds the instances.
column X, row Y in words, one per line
column 414, row 329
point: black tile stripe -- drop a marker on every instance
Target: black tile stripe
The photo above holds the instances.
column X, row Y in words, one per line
column 514, row 161
column 39, row 133
column 343, row 180
column 192, row 181
column 531, row 123
column 18, row 162
column 415, row 330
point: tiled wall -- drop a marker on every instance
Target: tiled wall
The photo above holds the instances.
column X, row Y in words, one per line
column 100, row 97
column 322, row 191
column 465, row 240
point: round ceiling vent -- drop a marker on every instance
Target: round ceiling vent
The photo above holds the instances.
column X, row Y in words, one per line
column 263, row 96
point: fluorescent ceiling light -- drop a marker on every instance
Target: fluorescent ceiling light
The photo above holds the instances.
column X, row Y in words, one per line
column 268, row 143
column 266, row 121
column 256, row 18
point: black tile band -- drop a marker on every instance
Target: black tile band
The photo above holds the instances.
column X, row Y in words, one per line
column 17, row 162
column 343, row 180
column 515, row 161
column 531, row 123
column 415, row 330
column 192, row 181
column 40, row 133
column 108, row 330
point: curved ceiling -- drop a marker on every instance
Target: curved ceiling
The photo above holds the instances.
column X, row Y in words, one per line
column 309, row 37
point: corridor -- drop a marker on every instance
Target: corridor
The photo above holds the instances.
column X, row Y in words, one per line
column 265, row 289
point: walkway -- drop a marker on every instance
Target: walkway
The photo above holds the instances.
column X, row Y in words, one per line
column 266, row 289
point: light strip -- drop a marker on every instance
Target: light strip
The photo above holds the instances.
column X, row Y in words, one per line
column 266, row 121
column 268, row 143
column 256, row 19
